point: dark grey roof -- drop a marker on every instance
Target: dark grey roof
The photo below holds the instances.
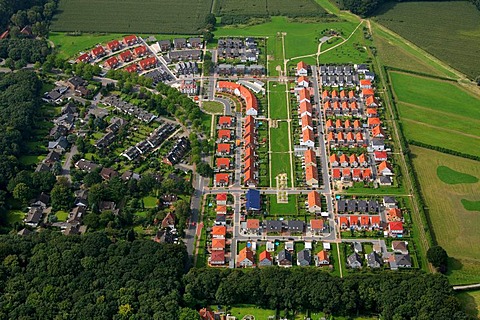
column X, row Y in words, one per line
column 296, row 225
column 284, row 255
column 274, row 225
column 304, row 257
column 403, row 260
column 353, row 259
column 374, row 260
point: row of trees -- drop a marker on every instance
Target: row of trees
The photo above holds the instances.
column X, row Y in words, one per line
column 394, row 295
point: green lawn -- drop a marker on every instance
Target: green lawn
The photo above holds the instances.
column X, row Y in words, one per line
column 61, row 215
column 15, row 216
column 30, row 160
column 242, row 310
column 213, row 107
column 384, row 190
column 352, row 51
column 471, row 205
column 206, row 123
column 280, row 164
column 278, row 100
column 149, row 202
column 439, row 120
column 279, row 138
column 289, row 208
column 456, row 40
column 69, row 46
column 470, row 302
column 435, row 94
column 451, row 176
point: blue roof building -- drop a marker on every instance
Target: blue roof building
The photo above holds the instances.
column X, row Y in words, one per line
column 253, row 200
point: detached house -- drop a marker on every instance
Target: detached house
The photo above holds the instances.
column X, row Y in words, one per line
column 265, row 259
column 321, row 259
column 284, row 259
column 302, row 69
column 246, row 258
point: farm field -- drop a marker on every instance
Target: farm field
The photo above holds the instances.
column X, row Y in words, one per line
column 454, row 226
column 456, row 40
column 470, row 302
column 155, row 16
column 264, row 8
column 437, row 112
column 278, row 100
column 395, row 53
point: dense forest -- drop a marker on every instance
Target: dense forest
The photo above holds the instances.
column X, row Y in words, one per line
column 51, row 276
column 19, row 104
column 23, row 12
column 366, row 8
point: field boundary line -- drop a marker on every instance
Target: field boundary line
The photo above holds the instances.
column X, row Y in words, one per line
column 440, row 128
column 416, row 106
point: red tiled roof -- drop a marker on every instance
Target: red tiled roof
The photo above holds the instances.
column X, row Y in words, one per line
column 140, row 50
column 148, row 62
column 223, row 162
column 384, row 165
column 336, row 173
column 225, row 120
column 253, row 224
column 221, row 197
column 112, row 62
column 314, row 199
column 126, row 55
column 128, row 39
column 311, row 173
column 264, row 255
column 132, row 68
column 316, row 224
column 223, row 148
column 217, row 256
column 219, row 230
column 245, row 254
column 98, row 51
column 374, row 121
column 307, row 135
column 367, row 92
column 114, row 44
column 224, row 133
column 395, row 226
column 218, row 244
column 310, row 157
column 222, row 177
column 302, row 65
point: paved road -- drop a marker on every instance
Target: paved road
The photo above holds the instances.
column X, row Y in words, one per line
column 68, row 162
column 195, row 206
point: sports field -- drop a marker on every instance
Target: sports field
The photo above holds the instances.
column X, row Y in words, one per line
column 450, row 30
column 298, row 8
column 130, row 16
column 278, row 100
column 437, row 112
column 455, row 228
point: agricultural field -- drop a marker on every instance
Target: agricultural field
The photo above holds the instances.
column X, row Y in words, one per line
column 438, row 113
column 470, row 302
column 453, row 225
column 394, row 52
column 277, row 100
column 456, row 40
column 266, row 8
column 155, row 16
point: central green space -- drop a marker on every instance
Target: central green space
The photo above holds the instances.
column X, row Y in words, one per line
column 279, row 138
column 130, row 16
column 451, row 176
column 280, row 163
column 278, row 100
column 289, row 208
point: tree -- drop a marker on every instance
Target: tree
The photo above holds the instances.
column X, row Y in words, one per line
column 438, row 257
column 204, row 169
column 210, row 19
column 62, row 195
column 208, row 36
column 189, row 314
column 22, row 193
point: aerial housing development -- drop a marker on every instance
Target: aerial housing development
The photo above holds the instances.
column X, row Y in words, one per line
column 239, row 160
